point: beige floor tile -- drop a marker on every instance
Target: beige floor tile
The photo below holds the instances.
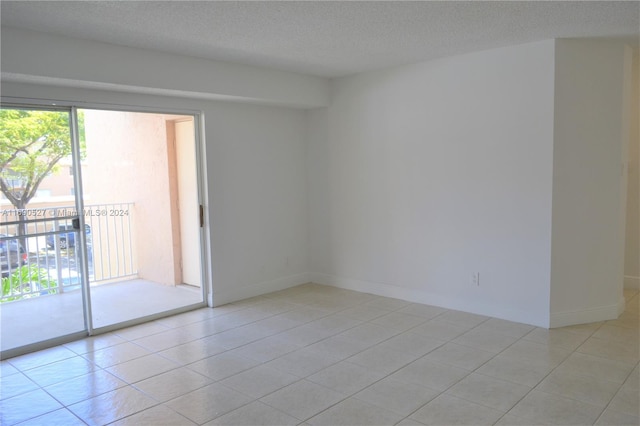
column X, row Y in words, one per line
column 95, row 343
column 305, row 314
column 462, row 319
column 626, row 401
column 6, row 369
column 537, row 355
column 511, row 420
column 485, row 340
column 61, row 417
column 112, row 406
column 172, row 384
column 254, row 414
column 409, row 422
column 267, row 349
column 208, row 403
column 159, row 415
column 460, row 356
column 219, row 324
column 425, row 311
column 633, row 380
column 612, row 332
column 276, row 324
column 582, row 388
column 303, row 362
column 241, row 317
column 545, row 408
column 41, row 358
column 611, row 349
column 16, row 384
column 383, row 359
column 330, row 304
column 510, row 328
column 488, row 391
column 84, row 387
column 440, row 330
column 303, row 399
column 345, row 343
column 388, row 303
column 434, row 375
column 399, row 321
column 237, row 337
column 305, row 335
column 449, row 410
column 345, row 377
column 364, row 312
column 628, row 319
column 142, row 368
column 250, row 301
column 21, row 407
column 117, row 354
column 274, row 307
column 353, row 412
column 412, row 344
column 334, row 323
column 593, row 366
column 587, row 329
column 392, row 395
column 557, row 337
column 611, row 418
column 142, row 330
column 221, row 366
column 191, row 352
column 259, row 381
column 514, row 370
column 209, row 327
column 191, row 317
column 338, row 347
column 59, row 371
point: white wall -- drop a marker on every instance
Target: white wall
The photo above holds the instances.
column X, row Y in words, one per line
column 632, row 246
column 411, row 180
column 434, row 171
column 589, row 195
column 33, row 57
column 255, row 186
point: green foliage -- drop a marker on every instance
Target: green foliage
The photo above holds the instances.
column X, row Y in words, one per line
column 19, row 282
column 32, row 142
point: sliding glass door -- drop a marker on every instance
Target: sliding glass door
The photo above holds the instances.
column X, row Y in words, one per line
column 44, row 281
column 100, row 222
column 140, row 190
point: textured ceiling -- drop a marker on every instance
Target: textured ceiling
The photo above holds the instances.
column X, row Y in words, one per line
column 325, row 38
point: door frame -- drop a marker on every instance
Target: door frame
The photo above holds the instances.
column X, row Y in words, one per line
column 202, row 195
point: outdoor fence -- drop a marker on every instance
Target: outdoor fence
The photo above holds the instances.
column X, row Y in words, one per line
column 46, row 257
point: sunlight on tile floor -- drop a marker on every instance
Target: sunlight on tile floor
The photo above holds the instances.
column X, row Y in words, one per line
column 33, row 320
column 325, row 356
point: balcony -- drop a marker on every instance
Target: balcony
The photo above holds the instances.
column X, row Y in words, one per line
column 50, row 261
column 41, row 274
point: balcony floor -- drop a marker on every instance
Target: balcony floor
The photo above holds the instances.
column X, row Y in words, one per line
column 42, row 318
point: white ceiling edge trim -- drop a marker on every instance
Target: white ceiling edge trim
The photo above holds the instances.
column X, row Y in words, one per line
column 34, row 57
column 8, row 77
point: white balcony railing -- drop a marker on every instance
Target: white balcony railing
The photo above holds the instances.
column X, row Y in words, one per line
column 45, row 260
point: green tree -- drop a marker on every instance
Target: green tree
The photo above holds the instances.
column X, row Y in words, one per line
column 32, row 142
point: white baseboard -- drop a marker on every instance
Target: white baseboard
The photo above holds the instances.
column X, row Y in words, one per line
column 631, row 283
column 418, row 296
column 245, row 292
column 601, row 313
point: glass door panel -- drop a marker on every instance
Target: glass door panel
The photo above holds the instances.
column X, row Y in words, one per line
column 141, row 209
column 40, row 252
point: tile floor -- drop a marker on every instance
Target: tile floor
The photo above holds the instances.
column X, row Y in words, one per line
column 33, row 320
column 317, row 355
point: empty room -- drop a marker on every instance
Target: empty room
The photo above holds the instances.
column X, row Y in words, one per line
column 320, row 213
